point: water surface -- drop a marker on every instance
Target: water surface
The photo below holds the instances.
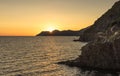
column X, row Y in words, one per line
column 37, row 56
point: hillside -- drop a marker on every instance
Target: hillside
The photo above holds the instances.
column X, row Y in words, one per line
column 102, row 53
column 60, row 33
column 107, row 20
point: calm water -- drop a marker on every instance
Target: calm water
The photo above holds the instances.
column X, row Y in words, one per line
column 37, row 56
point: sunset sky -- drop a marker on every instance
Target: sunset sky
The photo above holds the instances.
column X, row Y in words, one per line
column 30, row 17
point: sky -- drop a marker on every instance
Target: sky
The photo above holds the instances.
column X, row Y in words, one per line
column 30, row 17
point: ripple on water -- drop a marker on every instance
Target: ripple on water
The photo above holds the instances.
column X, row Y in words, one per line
column 36, row 56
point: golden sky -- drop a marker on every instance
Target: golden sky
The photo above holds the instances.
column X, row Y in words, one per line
column 30, row 17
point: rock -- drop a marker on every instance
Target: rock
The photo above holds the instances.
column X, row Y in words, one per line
column 102, row 53
column 102, row 24
column 98, row 56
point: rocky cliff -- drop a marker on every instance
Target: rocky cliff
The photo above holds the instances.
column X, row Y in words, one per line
column 101, row 54
column 103, row 50
column 102, row 24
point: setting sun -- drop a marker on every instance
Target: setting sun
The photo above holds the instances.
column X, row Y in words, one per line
column 30, row 17
column 50, row 29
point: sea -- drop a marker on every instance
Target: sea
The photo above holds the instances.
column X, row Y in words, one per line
column 38, row 56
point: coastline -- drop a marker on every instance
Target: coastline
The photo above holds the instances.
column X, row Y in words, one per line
column 102, row 53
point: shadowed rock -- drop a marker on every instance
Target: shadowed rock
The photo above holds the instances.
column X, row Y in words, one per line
column 99, row 56
column 106, row 21
column 102, row 53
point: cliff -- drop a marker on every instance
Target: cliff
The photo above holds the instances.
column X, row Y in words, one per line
column 60, row 33
column 101, row 54
column 103, row 50
column 102, row 24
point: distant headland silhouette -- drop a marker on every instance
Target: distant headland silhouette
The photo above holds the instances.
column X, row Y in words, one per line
column 59, row 33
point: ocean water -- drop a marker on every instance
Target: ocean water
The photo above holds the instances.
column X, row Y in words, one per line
column 37, row 56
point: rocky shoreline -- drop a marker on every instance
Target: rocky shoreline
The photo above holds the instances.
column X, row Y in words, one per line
column 102, row 53
column 73, row 63
column 98, row 56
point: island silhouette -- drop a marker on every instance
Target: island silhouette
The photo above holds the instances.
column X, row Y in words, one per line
column 59, row 33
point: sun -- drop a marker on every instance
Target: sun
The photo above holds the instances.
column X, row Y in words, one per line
column 50, row 29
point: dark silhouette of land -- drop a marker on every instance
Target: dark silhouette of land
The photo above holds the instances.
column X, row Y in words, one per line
column 60, row 33
column 102, row 52
column 108, row 20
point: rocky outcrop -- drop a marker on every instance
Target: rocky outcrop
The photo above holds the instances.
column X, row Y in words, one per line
column 60, row 33
column 102, row 53
column 102, row 24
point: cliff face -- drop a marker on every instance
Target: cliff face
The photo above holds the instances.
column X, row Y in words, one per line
column 102, row 24
column 103, row 50
column 102, row 53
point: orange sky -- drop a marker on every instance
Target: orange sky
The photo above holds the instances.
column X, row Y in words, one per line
column 30, row 17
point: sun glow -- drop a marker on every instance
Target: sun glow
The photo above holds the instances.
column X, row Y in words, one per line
column 50, row 28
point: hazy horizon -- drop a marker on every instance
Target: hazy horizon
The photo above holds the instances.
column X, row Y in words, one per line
column 30, row 17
